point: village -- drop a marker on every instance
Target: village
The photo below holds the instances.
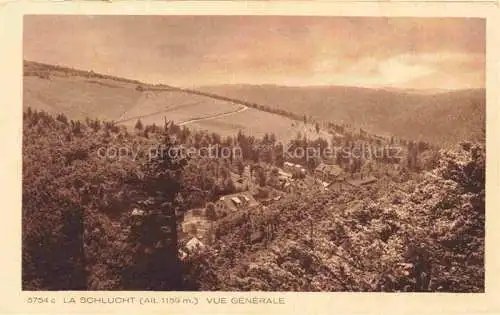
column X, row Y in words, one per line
column 198, row 226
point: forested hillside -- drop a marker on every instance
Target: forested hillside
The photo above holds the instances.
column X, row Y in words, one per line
column 421, row 234
column 419, row 228
column 447, row 117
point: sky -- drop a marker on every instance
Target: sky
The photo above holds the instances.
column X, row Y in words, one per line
column 412, row 53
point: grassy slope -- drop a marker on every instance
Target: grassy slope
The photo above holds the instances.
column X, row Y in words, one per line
column 442, row 118
column 71, row 92
column 77, row 97
column 258, row 123
column 176, row 106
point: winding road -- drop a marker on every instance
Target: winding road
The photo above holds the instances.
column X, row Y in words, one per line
column 242, row 109
column 123, row 117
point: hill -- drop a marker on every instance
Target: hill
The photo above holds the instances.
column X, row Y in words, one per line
column 80, row 94
column 438, row 117
column 76, row 93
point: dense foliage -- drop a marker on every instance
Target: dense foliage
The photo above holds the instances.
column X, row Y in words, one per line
column 424, row 235
column 420, row 228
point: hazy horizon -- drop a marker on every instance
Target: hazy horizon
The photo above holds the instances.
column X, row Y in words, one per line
column 188, row 51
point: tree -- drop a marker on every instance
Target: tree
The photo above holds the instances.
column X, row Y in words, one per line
column 139, row 125
column 158, row 231
column 229, row 186
column 412, row 157
column 261, row 177
column 60, row 117
column 241, row 167
column 76, row 127
column 272, row 138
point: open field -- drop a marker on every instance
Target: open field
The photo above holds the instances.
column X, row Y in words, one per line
column 258, row 123
column 78, row 96
column 154, row 107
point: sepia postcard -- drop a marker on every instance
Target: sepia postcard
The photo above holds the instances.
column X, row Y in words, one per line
column 250, row 157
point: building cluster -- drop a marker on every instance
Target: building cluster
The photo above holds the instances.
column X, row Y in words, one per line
column 198, row 225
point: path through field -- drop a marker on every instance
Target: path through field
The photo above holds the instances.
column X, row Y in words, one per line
column 242, row 109
column 178, row 106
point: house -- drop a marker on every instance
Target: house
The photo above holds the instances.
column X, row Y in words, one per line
column 195, row 223
column 245, row 199
column 329, row 173
column 280, row 180
column 325, row 184
column 137, row 212
column 194, row 245
column 236, row 201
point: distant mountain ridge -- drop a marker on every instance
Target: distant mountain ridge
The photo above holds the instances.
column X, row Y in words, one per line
column 443, row 117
